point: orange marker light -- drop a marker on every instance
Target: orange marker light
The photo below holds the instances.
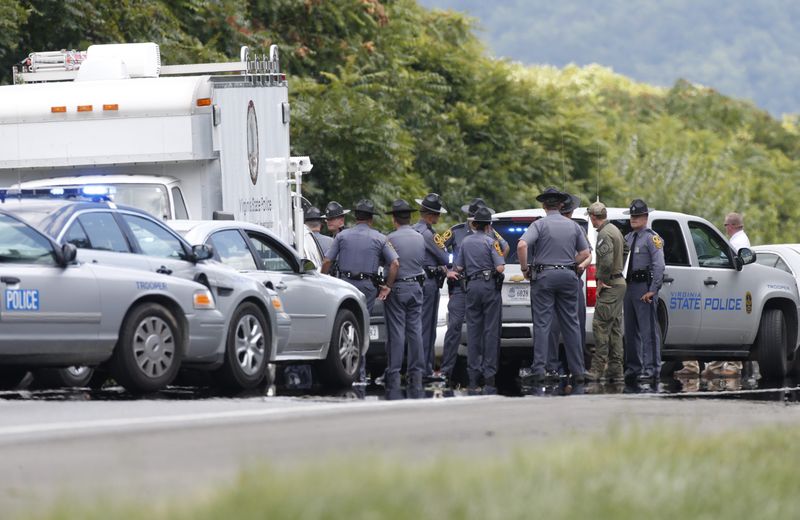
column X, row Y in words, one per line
column 58, row 110
column 204, row 102
column 111, row 107
column 85, row 108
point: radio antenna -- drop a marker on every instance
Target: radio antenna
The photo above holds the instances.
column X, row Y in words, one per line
column 597, row 151
column 563, row 164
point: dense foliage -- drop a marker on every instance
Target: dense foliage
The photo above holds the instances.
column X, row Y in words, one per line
column 392, row 100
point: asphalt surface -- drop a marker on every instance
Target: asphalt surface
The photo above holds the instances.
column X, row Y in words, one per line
column 83, row 445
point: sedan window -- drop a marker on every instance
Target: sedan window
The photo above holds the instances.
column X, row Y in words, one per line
column 103, row 232
column 153, row 239
column 767, row 259
column 21, row 245
column 232, row 250
column 268, row 253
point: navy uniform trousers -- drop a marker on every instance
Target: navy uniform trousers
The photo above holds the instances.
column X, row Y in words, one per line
column 430, row 313
column 483, row 311
column 554, row 296
column 642, row 333
column 370, row 292
column 456, row 310
column 403, row 309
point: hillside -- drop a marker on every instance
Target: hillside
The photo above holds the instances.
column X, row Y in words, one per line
column 745, row 49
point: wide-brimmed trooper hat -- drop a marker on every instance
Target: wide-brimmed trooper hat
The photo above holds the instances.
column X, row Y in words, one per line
column 432, row 202
column 570, row 205
column 400, row 206
column 366, row 206
column 482, row 214
column 473, row 206
column 312, row 213
column 552, row 195
column 638, row 207
column 334, row 209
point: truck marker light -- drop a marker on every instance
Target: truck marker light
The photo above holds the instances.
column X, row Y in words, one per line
column 111, row 107
column 85, row 108
column 58, row 110
column 204, row 102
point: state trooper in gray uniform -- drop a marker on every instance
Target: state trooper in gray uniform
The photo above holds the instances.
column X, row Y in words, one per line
column 359, row 252
column 457, row 303
column 559, row 245
column 644, row 275
column 313, row 219
column 553, row 360
column 481, row 260
column 403, row 308
column 334, row 220
column 435, row 265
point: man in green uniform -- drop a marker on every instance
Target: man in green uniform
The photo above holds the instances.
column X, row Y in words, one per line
column 607, row 323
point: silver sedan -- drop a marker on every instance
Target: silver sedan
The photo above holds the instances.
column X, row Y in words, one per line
column 57, row 312
column 329, row 317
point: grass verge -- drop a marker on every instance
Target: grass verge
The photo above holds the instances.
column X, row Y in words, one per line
column 654, row 473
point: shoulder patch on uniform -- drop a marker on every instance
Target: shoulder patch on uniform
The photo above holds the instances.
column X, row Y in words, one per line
column 439, row 239
column 658, row 242
column 447, row 235
column 497, row 248
column 603, row 248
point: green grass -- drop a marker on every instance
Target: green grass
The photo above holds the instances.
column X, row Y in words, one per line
column 656, row 473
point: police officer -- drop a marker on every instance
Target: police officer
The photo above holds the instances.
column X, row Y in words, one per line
column 403, row 309
column 457, row 303
column 559, row 245
column 436, row 260
column 481, row 260
column 644, row 274
column 553, row 359
column 334, row 217
column 607, row 322
column 313, row 219
column 359, row 251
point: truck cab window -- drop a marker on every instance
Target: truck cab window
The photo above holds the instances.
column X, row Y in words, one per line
column 712, row 250
column 674, row 243
column 180, row 205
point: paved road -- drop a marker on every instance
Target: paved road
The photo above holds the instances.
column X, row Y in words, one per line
column 146, row 449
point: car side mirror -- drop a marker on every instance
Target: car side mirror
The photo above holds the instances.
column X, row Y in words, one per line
column 745, row 256
column 67, row 255
column 307, row 266
column 202, row 252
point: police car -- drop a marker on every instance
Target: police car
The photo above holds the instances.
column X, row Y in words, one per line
column 56, row 312
column 714, row 305
column 329, row 316
column 104, row 233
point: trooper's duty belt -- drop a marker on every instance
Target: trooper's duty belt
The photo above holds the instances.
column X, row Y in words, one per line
column 548, row 267
column 485, row 275
column 420, row 278
column 358, row 276
column 432, row 271
column 642, row 275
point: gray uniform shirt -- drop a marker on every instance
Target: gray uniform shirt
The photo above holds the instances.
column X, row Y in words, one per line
column 410, row 248
column 324, row 241
column 459, row 232
column 555, row 240
column 361, row 249
column 435, row 255
column 647, row 254
column 479, row 252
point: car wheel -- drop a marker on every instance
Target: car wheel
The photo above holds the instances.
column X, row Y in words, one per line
column 340, row 368
column 11, row 377
column 149, row 351
column 246, row 351
column 73, row 377
column 770, row 345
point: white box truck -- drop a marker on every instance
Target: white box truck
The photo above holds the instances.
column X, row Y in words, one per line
column 182, row 141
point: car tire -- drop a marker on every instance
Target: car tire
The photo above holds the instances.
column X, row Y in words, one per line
column 149, row 351
column 340, row 368
column 770, row 345
column 12, row 377
column 70, row 377
column 246, row 349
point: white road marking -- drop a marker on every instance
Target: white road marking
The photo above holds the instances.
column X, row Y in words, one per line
column 161, row 420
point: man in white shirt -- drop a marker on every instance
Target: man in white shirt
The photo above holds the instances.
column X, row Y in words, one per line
column 734, row 228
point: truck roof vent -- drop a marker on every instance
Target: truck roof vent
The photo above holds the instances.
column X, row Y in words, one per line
column 97, row 68
column 142, row 60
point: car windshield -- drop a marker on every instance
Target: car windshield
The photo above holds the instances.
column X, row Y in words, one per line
column 512, row 230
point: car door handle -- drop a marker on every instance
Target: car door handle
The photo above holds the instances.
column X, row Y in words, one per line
column 668, row 279
column 280, row 286
column 9, row 280
column 710, row 281
column 164, row 270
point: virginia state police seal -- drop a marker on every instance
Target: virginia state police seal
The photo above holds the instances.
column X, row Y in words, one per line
column 252, row 141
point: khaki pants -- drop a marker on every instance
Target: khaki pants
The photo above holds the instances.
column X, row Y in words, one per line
column 607, row 330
